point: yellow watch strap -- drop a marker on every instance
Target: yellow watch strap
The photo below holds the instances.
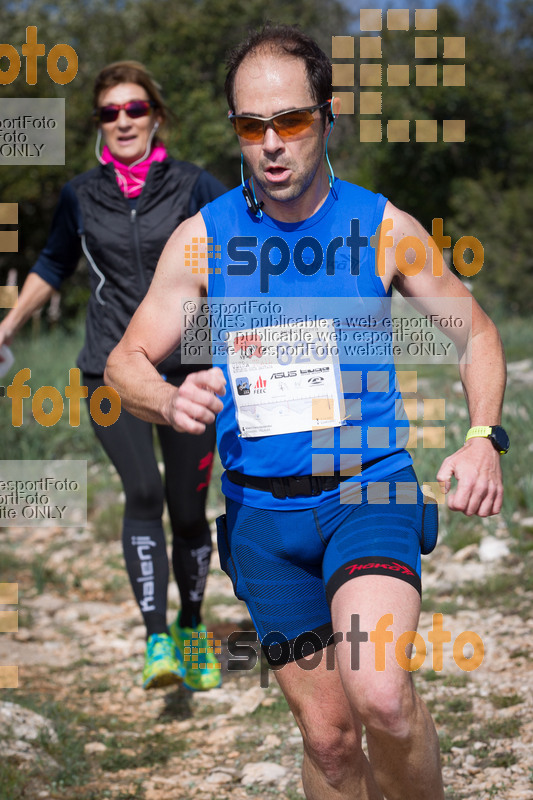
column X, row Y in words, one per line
column 480, row 430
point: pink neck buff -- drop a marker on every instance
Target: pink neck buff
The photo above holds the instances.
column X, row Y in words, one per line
column 131, row 179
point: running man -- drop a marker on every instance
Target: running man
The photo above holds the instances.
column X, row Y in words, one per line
column 308, row 549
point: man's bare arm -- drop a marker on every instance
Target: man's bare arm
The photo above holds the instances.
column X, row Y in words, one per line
column 476, row 465
column 153, row 333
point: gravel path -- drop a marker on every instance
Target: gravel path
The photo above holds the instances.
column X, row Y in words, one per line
column 79, row 727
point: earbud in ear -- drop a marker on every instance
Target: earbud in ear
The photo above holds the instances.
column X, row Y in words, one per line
column 156, row 125
column 331, row 115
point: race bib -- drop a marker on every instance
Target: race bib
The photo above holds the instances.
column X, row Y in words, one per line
column 286, row 378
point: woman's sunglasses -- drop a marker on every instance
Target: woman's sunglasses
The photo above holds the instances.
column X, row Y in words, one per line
column 134, row 109
column 286, row 124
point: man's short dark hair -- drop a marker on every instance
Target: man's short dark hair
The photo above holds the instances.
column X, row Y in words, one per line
column 289, row 40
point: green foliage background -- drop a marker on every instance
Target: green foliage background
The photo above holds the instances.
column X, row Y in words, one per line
column 482, row 187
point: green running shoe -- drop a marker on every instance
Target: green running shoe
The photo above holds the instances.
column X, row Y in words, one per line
column 196, row 649
column 162, row 666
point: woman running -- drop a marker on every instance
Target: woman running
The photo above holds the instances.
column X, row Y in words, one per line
column 120, row 215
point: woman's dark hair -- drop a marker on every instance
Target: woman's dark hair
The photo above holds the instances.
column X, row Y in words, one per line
column 130, row 72
column 288, row 40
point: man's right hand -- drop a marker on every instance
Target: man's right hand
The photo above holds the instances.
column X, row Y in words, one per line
column 195, row 404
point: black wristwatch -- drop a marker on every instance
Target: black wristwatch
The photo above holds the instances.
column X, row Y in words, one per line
column 495, row 433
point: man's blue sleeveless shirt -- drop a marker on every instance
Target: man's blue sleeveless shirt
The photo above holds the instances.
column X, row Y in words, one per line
column 325, row 273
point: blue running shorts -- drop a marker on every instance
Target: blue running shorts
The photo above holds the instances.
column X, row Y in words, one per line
column 287, row 565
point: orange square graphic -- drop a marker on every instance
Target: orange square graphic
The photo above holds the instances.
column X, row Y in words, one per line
column 433, row 490
column 411, row 408
column 453, row 130
column 426, row 130
column 9, row 241
column 9, row 592
column 398, row 75
column 398, row 19
column 412, row 442
column 9, row 620
column 370, row 130
column 370, row 74
column 453, row 75
column 426, row 74
column 9, row 677
column 370, row 47
column 454, row 47
column 434, row 437
column 425, row 47
column 434, row 409
column 398, row 130
column 343, row 75
column 347, row 102
column 342, row 47
column 426, row 19
column 322, row 408
column 370, row 19
column 8, row 296
column 370, row 103
column 9, row 213
column 407, row 380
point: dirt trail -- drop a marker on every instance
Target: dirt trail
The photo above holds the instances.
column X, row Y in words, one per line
column 79, row 649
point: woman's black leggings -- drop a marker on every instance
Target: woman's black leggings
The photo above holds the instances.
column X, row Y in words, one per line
column 187, row 469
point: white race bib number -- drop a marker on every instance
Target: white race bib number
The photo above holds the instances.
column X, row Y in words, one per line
column 285, row 378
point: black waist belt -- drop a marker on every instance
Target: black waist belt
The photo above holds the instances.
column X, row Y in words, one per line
column 293, row 485
column 289, row 486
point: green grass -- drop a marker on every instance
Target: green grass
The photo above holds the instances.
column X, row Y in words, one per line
column 292, row 794
column 505, row 700
column 46, row 578
column 278, row 710
column 454, row 722
column 449, row 607
column 516, row 338
column 458, row 681
column 459, row 531
column 501, row 760
column 430, row 675
column 67, row 751
column 9, row 566
column 520, row 654
column 151, row 749
column 13, row 780
column 501, row 585
column 458, row 704
column 108, row 523
column 49, row 357
column 75, row 767
column 506, row 728
column 446, row 743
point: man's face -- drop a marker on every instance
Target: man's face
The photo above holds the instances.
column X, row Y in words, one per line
column 284, row 168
